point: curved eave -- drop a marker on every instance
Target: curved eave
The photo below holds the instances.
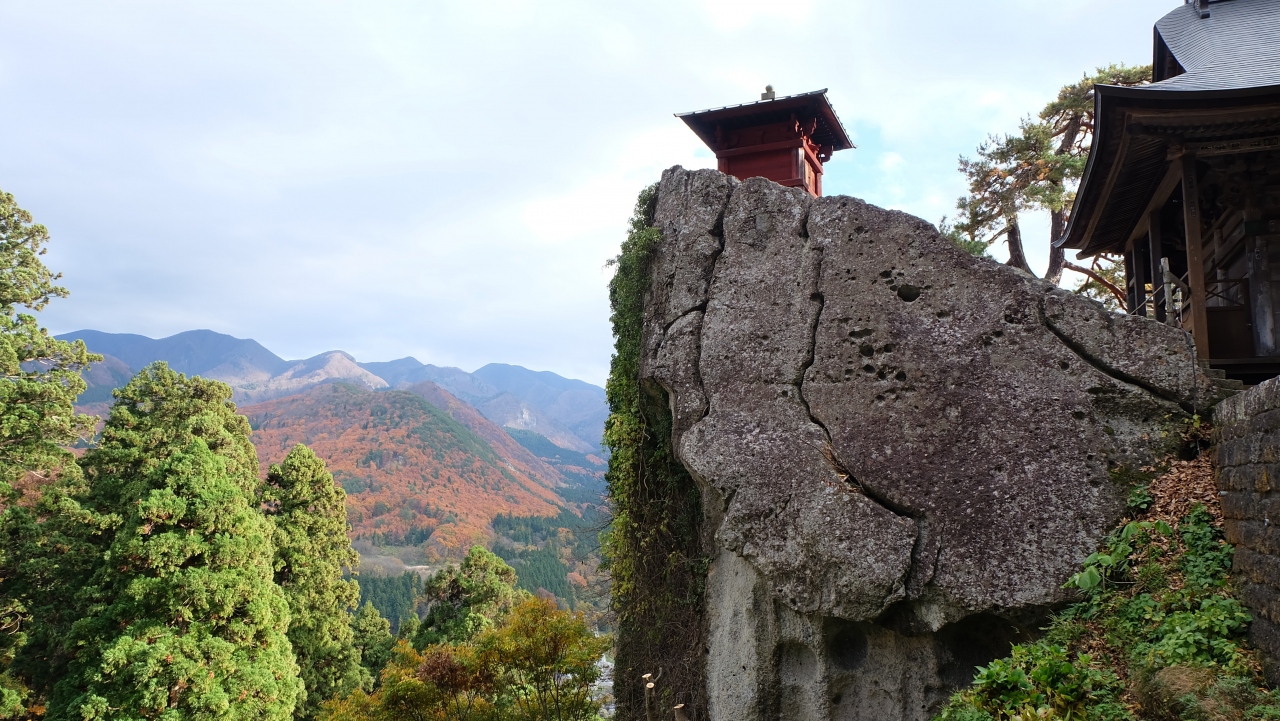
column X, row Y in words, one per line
column 1112, row 144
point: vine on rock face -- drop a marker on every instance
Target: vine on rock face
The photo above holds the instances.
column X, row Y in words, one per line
column 653, row 547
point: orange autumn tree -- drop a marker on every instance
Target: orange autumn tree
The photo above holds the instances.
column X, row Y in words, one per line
column 539, row 663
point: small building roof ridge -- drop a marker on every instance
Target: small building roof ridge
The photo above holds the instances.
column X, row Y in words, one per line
column 758, row 102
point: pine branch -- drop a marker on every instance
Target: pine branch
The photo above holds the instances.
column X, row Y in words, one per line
column 1119, row 294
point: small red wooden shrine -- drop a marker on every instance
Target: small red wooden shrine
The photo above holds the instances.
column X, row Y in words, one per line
column 785, row 140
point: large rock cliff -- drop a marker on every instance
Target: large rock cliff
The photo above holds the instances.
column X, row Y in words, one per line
column 903, row 451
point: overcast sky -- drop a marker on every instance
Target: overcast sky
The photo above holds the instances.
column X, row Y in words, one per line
column 447, row 180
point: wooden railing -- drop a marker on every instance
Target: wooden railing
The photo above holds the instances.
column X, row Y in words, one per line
column 1225, row 293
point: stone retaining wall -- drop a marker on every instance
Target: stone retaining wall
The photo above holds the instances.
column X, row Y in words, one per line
column 1247, row 471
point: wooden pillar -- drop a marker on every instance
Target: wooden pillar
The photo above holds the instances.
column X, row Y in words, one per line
column 1141, row 271
column 1195, row 255
column 1156, row 244
column 1131, row 278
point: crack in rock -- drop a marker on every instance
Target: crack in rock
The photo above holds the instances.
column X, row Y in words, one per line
column 820, row 352
column 863, row 334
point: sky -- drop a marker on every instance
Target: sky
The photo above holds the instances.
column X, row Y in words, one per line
column 448, row 180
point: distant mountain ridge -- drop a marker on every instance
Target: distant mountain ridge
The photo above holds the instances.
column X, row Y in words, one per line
column 571, row 413
column 194, row 352
column 433, row 459
column 568, row 412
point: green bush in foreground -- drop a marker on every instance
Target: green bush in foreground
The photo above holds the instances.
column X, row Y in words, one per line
column 1159, row 635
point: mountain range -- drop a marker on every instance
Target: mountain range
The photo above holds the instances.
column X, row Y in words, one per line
column 570, row 413
column 419, row 474
column 429, row 456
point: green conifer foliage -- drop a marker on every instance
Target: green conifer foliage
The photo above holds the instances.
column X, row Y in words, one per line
column 180, row 617
column 41, row 376
column 39, row 382
column 373, row 639
column 467, row 599
column 312, row 549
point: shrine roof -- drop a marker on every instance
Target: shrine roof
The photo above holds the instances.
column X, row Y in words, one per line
column 1227, row 44
column 1226, row 91
column 830, row 130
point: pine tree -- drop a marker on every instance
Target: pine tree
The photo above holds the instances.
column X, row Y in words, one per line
column 1037, row 169
column 177, row 614
column 312, row 549
column 373, row 639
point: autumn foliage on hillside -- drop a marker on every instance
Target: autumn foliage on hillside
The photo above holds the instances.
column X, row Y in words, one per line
column 413, row 474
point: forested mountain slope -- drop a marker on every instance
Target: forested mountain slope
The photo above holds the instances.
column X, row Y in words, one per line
column 568, row 412
column 499, row 438
column 414, row 474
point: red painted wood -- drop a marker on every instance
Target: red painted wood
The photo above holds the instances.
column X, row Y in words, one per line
column 782, row 152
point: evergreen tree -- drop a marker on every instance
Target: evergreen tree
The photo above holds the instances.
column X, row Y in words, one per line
column 39, row 385
column 41, row 376
column 409, row 626
column 462, row 601
column 373, row 639
column 395, row 597
column 175, row 613
column 312, row 549
column 1036, row 169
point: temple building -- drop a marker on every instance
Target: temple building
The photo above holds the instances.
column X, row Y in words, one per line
column 1183, row 181
column 786, row 139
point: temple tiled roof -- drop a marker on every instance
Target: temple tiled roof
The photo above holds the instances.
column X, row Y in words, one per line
column 1218, row 71
column 1236, row 46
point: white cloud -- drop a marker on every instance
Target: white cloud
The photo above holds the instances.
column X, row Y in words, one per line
column 891, row 161
column 739, row 14
column 447, row 180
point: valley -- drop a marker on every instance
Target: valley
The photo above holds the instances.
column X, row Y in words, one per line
column 433, row 459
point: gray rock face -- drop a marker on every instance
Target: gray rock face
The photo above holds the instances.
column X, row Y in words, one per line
column 895, row 441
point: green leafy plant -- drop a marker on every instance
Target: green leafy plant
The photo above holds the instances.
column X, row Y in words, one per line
column 1140, row 499
column 653, row 546
column 1039, row 680
column 1113, row 561
column 1158, row 603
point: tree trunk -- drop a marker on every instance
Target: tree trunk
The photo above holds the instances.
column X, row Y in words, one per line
column 1058, row 218
column 1057, row 256
column 1017, row 258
